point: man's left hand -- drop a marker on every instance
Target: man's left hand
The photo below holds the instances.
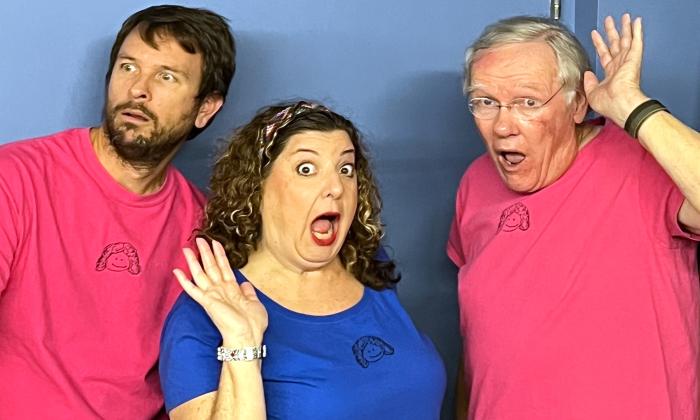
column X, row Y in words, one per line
column 618, row 93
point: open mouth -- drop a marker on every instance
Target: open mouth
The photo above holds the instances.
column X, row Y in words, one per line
column 324, row 228
column 511, row 159
column 135, row 116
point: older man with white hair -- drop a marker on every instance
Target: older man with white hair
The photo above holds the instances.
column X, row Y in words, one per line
column 575, row 240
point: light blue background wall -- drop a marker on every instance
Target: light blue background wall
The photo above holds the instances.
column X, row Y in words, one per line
column 392, row 66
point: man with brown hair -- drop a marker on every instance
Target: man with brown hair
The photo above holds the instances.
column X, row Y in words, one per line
column 92, row 223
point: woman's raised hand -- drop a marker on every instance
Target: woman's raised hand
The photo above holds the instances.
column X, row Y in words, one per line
column 235, row 310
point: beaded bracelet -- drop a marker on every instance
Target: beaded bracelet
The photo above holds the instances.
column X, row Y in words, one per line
column 247, row 354
column 640, row 114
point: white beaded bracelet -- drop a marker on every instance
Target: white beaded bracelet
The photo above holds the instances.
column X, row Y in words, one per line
column 247, row 354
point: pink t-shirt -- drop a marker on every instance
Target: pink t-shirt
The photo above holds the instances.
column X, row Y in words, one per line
column 85, row 281
column 581, row 300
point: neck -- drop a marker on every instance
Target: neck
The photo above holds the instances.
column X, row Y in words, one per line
column 138, row 180
column 585, row 132
column 264, row 267
column 319, row 291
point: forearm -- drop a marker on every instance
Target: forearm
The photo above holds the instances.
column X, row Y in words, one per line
column 240, row 394
column 461, row 394
column 676, row 147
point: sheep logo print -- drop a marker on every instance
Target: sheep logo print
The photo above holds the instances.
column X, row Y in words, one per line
column 119, row 256
column 369, row 349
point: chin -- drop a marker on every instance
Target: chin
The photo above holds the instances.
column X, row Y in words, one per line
column 520, row 187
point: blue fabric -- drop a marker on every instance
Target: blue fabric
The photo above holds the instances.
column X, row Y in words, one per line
column 368, row 360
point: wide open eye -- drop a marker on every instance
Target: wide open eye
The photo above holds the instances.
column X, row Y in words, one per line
column 528, row 103
column 127, row 67
column 348, row 169
column 306, row 169
column 166, row 76
column 484, row 103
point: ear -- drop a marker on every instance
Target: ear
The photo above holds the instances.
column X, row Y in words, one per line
column 208, row 108
column 580, row 107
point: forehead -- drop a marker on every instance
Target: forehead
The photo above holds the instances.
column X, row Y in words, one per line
column 167, row 52
column 322, row 142
column 529, row 64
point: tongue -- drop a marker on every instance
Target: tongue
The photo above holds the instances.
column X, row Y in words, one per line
column 321, row 226
column 513, row 157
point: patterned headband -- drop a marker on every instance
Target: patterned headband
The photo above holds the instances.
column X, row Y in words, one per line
column 268, row 133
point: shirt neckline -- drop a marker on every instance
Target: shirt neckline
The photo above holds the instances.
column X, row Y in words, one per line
column 273, row 306
column 111, row 187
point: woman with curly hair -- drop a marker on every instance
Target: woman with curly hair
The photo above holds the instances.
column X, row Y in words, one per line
column 295, row 212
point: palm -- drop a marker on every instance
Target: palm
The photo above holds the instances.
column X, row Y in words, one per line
column 235, row 310
column 621, row 59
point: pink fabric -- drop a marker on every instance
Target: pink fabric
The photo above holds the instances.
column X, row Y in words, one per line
column 579, row 301
column 85, row 282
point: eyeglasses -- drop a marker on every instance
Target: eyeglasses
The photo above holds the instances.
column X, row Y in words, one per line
column 522, row 108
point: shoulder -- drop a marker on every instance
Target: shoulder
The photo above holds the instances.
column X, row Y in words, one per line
column 25, row 161
column 42, row 143
column 189, row 337
column 187, row 189
column 385, row 298
column 31, row 153
column 612, row 142
column 188, row 366
column 187, row 318
column 481, row 172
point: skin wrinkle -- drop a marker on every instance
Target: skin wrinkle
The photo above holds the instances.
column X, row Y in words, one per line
column 549, row 141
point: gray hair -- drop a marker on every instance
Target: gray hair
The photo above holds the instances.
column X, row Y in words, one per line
column 571, row 57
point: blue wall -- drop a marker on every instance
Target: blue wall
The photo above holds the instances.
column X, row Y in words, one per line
column 392, row 66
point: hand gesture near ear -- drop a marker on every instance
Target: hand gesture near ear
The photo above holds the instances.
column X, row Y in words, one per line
column 621, row 58
column 235, row 310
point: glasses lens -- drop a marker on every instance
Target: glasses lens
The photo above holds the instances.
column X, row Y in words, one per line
column 479, row 110
column 524, row 113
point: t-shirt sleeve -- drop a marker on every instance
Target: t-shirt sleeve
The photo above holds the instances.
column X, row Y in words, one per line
column 188, row 366
column 10, row 223
column 661, row 200
column 454, row 241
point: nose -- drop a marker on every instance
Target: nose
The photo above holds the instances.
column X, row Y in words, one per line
column 140, row 89
column 505, row 123
column 334, row 186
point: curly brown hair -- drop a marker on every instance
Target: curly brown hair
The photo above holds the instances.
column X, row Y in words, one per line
column 233, row 211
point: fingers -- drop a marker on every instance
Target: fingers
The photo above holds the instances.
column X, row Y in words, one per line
column 637, row 39
column 209, row 263
column 198, row 275
column 601, row 48
column 612, row 35
column 189, row 287
column 222, row 262
column 248, row 291
column 626, row 27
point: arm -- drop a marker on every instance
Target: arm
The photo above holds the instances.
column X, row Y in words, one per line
column 675, row 146
column 10, row 223
column 461, row 393
column 241, row 319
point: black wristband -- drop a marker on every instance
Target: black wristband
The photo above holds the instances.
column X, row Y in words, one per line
column 640, row 114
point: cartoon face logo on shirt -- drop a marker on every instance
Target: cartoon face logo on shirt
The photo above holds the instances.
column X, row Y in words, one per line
column 514, row 217
column 370, row 349
column 119, row 256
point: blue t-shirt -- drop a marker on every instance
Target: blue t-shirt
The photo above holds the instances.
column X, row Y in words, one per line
column 368, row 360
